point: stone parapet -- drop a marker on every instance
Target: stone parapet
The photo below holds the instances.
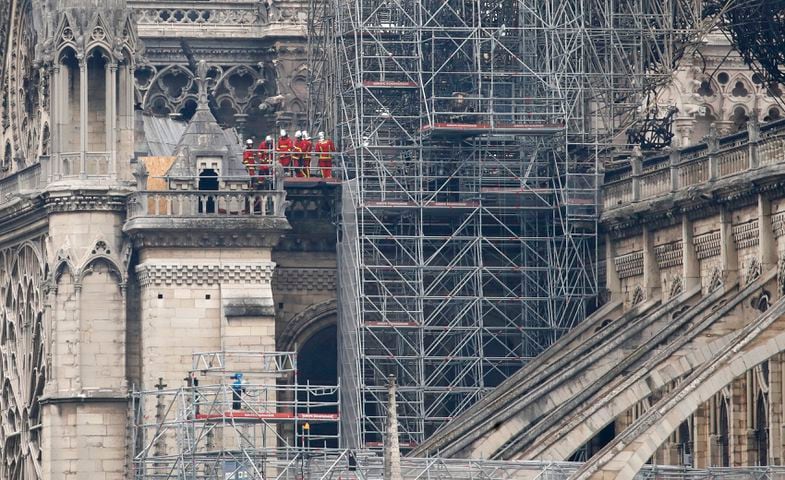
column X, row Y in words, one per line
column 693, row 173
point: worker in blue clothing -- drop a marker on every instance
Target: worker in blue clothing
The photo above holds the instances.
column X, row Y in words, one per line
column 238, row 389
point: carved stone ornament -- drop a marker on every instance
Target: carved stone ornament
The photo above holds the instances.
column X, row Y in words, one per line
column 22, row 351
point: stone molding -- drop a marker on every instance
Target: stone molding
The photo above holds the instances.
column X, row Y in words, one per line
column 629, row 265
column 80, row 201
column 669, row 254
column 707, row 245
column 746, row 234
column 305, row 279
column 183, row 274
column 778, row 224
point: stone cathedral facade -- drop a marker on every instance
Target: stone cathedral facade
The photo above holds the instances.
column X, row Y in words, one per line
column 107, row 288
column 110, row 279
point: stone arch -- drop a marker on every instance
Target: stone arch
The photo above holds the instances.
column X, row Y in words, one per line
column 739, row 114
column 303, row 325
column 750, row 347
column 96, row 260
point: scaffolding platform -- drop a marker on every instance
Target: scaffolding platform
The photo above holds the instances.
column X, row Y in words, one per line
column 268, row 416
column 457, row 205
column 310, row 182
column 388, row 85
column 469, row 129
column 227, row 424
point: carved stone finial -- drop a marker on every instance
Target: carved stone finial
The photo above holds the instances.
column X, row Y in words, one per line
column 201, row 82
column 712, row 138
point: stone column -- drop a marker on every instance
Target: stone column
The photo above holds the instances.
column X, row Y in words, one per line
column 739, row 422
column 775, row 410
column 54, row 120
column 728, row 255
column 612, row 280
column 690, row 263
column 83, row 117
column 767, row 244
column 111, row 116
column 701, row 437
column 651, row 270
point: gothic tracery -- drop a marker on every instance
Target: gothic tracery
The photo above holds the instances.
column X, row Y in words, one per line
column 23, row 366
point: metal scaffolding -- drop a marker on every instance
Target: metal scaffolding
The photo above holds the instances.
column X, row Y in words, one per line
column 471, row 132
column 214, row 427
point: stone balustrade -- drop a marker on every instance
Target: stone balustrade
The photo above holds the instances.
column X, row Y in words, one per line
column 186, row 204
column 699, row 165
column 199, row 13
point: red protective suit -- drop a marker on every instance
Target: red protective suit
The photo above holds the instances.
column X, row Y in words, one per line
column 305, row 147
column 265, row 158
column 325, row 149
column 285, row 147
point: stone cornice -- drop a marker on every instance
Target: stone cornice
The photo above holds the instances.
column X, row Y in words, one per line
column 288, row 279
column 204, row 274
column 206, row 232
column 86, row 199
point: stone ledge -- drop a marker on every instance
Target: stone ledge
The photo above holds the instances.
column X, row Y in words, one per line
column 206, row 232
column 86, row 396
column 249, row 307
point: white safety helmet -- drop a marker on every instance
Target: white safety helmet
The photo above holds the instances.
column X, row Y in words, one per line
column 283, row 132
column 249, row 142
column 268, row 138
column 298, row 134
column 321, row 135
column 306, row 136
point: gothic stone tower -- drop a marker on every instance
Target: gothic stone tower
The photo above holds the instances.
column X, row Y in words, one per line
column 96, row 282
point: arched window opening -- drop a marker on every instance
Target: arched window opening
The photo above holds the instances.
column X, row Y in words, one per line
column 762, row 429
column 69, row 116
column 317, row 364
column 723, row 433
column 705, row 89
column 684, row 438
column 773, row 115
column 739, row 119
column 96, row 101
column 208, row 181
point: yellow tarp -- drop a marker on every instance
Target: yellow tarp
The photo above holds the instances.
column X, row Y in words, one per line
column 157, row 168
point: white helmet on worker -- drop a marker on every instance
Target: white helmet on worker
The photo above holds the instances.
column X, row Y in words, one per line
column 298, row 134
column 249, row 142
column 321, row 135
column 283, row 132
column 268, row 138
column 306, row 136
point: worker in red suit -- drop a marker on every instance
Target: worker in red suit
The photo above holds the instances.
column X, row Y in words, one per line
column 284, row 150
column 249, row 158
column 266, row 156
column 306, row 147
column 297, row 157
column 325, row 148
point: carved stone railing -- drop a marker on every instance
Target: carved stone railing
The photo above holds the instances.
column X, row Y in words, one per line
column 191, row 204
column 222, row 18
column 69, row 165
column 698, row 165
column 24, row 180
